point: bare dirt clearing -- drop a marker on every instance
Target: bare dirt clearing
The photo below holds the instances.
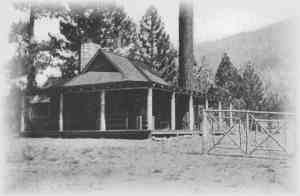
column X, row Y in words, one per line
column 46, row 165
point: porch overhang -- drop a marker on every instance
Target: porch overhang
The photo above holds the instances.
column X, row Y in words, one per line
column 115, row 86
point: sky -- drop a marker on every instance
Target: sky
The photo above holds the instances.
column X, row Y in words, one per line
column 213, row 19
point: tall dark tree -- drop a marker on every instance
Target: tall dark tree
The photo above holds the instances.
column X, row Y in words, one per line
column 27, row 49
column 227, row 77
column 253, row 90
column 106, row 24
column 22, row 33
column 155, row 47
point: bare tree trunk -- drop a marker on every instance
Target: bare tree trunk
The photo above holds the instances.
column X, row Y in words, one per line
column 186, row 57
column 30, row 71
column 30, row 68
column 31, row 24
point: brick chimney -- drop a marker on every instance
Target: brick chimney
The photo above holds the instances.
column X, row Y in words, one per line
column 87, row 51
column 186, row 39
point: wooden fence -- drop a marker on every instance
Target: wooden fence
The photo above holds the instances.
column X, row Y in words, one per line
column 248, row 133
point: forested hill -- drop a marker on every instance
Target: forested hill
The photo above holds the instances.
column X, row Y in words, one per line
column 270, row 49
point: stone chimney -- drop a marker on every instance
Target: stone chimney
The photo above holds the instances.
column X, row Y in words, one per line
column 186, row 39
column 87, row 51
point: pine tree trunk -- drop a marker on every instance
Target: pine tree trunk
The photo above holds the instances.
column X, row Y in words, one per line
column 31, row 24
column 30, row 68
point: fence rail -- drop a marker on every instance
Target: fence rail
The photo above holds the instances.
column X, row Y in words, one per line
column 248, row 133
column 251, row 111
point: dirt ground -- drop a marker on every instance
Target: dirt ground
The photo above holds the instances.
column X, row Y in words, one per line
column 174, row 164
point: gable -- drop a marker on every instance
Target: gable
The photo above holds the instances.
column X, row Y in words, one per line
column 126, row 67
column 101, row 64
column 106, row 67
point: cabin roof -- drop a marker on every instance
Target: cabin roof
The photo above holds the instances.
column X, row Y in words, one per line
column 127, row 70
column 106, row 70
column 94, row 78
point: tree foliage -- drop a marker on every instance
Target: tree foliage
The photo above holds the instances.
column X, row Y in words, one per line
column 274, row 102
column 227, row 77
column 22, row 34
column 253, row 90
column 154, row 46
column 203, row 76
column 106, row 24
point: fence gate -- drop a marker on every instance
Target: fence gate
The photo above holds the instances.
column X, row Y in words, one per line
column 251, row 133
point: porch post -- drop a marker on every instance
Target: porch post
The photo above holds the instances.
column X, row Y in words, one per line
column 61, row 112
column 149, row 109
column 173, row 114
column 206, row 103
column 23, row 112
column 102, row 111
column 191, row 112
column 205, row 132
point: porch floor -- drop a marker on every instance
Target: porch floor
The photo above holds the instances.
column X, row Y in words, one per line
column 118, row 134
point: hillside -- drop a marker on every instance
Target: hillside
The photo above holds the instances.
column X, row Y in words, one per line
column 270, row 49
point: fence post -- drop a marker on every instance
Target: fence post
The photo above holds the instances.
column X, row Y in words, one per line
column 220, row 116
column 230, row 115
column 247, row 129
column 205, row 132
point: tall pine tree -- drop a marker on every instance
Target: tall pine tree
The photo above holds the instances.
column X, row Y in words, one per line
column 253, row 90
column 228, row 78
column 22, row 33
column 155, row 47
column 24, row 62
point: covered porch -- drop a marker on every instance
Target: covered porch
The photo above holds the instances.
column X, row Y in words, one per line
column 108, row 108
column 146, row 108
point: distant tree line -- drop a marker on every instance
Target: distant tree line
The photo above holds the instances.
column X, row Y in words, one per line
column 244, row 89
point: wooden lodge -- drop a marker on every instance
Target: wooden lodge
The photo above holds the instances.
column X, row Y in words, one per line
column 112, row 92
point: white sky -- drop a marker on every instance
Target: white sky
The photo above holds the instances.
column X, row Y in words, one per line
column 214, row 19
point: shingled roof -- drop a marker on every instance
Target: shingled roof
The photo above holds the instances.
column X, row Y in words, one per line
column 124, row 70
